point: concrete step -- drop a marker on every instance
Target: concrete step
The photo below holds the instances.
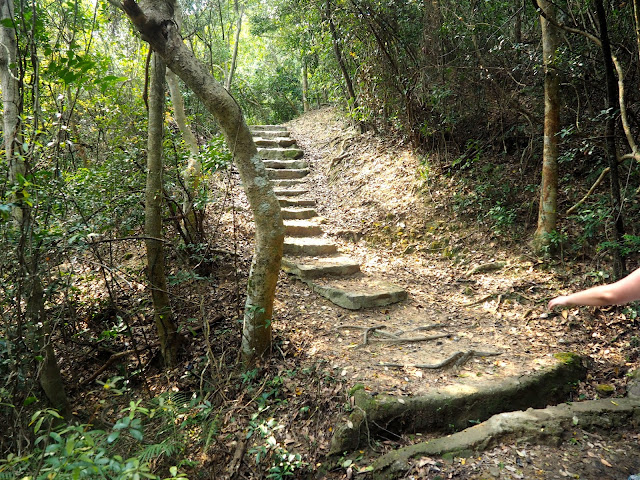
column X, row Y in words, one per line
column 290, row 164
column 307, row 268
column 296, row 213
column 297, row 202
column 275, row 142
column 308, row 246
column 290, row 192
column 287, row 173
column 357, row 293
column 280, row 153
column 302, row 228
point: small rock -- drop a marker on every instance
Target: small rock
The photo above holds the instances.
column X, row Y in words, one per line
column 634, row 477
column 605, row 389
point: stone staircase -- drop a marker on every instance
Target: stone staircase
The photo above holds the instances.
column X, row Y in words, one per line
column 308, row 254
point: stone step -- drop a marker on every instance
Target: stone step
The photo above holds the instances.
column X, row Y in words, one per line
column 358, row 293
column 270, row 135
column 307, row 268
column 287, row 182
column 290, row 192
column 302, row 228
column 275, row 142
column 287, row 173
column 267, row 128
column 297, row 202
column 296, row 213
column 280, row 153
column 286, row 164
column 308, row 246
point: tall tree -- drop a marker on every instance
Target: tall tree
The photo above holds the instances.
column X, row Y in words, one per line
column 163, row 315
column 611, row 105
column 153, row 20
column 548, row 207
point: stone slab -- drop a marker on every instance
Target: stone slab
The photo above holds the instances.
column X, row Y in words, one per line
column 287, row 182
column 296, row 213
column 302, row 228
column 297, row 202
column 280, row 153
column 286, row 164
column 286, row 173
column 359, row 293
column 308, row 246
column 290, row 192
column 282, row 142
column 316, row 267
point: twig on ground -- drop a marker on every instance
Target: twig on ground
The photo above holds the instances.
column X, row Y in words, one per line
column 112, row 359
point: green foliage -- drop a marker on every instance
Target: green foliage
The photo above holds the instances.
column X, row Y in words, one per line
column 77, row 452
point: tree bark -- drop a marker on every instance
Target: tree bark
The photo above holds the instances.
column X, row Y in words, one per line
column 163, row 315
column 610, row 139
column 548, row 208
column 161, row 33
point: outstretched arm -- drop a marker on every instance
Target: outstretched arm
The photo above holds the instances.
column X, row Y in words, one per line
column 622, row 291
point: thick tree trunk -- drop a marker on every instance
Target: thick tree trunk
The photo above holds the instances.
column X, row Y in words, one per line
column 160, row 31
column 610, row 138
column 165, row 323
column 548, row 209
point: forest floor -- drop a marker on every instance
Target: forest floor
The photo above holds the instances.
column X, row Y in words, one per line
column 393, row 211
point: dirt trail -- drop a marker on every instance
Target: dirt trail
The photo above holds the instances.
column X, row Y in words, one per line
column 484, row 295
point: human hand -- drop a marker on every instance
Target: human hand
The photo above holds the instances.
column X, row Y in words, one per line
column 562, row 300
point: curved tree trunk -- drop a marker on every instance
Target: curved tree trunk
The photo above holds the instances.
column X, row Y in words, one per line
column 548, row 209
column 160, row 31
column 165, row 323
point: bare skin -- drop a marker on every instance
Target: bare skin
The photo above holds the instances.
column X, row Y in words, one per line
column 623, row 291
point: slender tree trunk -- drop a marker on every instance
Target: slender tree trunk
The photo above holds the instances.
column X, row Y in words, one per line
column 353, row 101
column 234, row 55
column 193, row 218
column 165, row 323
column 610, row 137
column 159, row 30
column 305, row 85
column 636, row 18
column 548, row 209
column 48, row 371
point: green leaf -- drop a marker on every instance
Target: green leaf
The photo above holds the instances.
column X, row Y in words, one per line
column 137, row 434
column 113, row 436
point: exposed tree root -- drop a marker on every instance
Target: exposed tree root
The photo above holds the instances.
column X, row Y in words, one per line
column 396, row 337
column 457, row 359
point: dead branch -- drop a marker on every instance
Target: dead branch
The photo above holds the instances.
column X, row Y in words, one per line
column 399, row 340
column 457, row 359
